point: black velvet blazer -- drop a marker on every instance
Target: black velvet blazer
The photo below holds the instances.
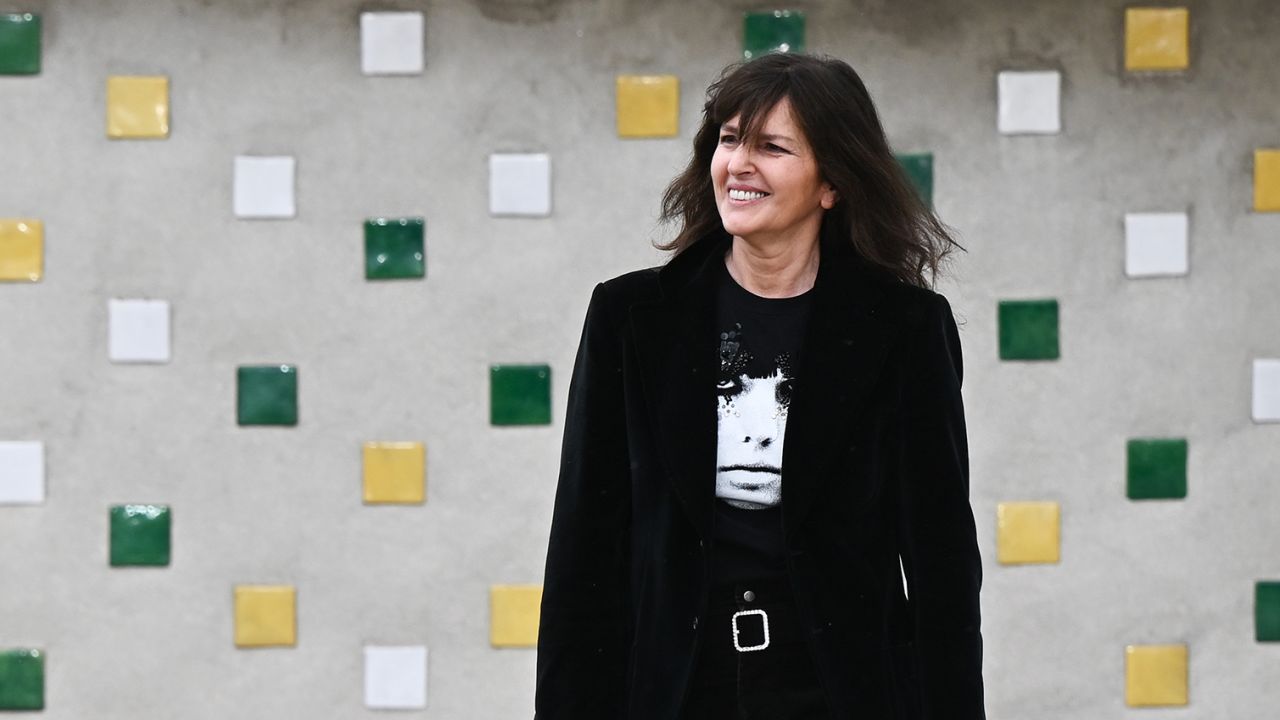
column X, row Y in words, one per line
column 876, row 469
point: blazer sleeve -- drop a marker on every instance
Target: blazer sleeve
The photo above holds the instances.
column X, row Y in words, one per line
column 938, row 541
column 584, row 633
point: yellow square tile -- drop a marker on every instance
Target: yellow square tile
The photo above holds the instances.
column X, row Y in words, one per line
column 648, row 105
column 1156, row 38
column 265, row 615
column 1266, row 180
column 1155, row 675
column 394, row 472
column 21, row 249
column 513, row 618
column 1027, row 532
column 137, row 106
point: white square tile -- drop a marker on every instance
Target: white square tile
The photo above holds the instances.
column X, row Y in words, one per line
column 138, row 331
column 395, row 676
column 1266, row 390
column 391, row 43
column 1155, row 244
column 21, row 473
column 520, row 184
column 1029, row 102
column 264, row 186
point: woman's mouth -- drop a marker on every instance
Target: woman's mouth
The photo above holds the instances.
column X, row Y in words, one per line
column 746, row 195
column 759, row 468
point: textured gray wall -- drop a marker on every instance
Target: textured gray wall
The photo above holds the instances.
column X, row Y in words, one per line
column 1040, row 216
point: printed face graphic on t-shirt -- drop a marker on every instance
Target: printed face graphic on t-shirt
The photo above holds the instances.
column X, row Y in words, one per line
column 752, row 421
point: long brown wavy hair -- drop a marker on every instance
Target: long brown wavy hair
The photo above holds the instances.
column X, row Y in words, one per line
column 878, row 209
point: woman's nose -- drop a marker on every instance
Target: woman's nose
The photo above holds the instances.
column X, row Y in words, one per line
column 740, row 161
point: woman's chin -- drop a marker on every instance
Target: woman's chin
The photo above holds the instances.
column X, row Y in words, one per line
column 746, row 504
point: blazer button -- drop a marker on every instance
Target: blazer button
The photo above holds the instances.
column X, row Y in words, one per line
column 695, row 622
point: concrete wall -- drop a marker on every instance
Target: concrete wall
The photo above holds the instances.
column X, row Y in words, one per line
column 1040, row 216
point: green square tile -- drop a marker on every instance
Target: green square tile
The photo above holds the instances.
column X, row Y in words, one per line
column 140, row 535
column 267, row 395
column 1266, row 611
column 1028, row 329
column 21, row 679
column 777, row 30
column 393, row 248
column 1157, row 469
column 919, row 169
column 520, row 395
column 19, row 44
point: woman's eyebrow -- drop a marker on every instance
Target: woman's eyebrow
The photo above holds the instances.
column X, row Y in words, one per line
column 733, row 129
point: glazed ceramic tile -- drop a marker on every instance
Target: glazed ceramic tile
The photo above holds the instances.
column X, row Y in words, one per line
column 394, row 472
column 393, row 248
column 1266, row 611
column 520, row 185
column 140, row 535
column 1266, row 390
column 21, row 473
column 137, row 106
column 395, row 677
column 21, row 250
column 772, row 31
column 1266, row 180
column 513, row 620
column 138, row 331
column 1155, row 244
column 919, row 169
column 1157, row 469
column 1156, row 38
column 520, row 395
column 265, row 615
column 1028, row 329
column 648, row 105
column 391, row 43
column 1028, row 532
column 264, row 187
column 1155, row 675
column 19, row 44
column 21, row 679
column 267, row 395
column 1029, row 102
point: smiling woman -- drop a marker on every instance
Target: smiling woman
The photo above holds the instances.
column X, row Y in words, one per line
column 765, row 440
column 768, row 187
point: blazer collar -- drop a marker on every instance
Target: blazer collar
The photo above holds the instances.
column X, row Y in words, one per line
column 840, row 358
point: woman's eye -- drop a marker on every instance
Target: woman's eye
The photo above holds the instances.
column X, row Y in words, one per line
column 728, row 386
column 727, row 139
column 782, row 394
column 774, row 148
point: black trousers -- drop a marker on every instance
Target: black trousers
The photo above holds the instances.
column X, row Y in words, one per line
column 734, row 681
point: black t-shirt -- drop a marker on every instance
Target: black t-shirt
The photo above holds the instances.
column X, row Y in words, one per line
column 760, row 340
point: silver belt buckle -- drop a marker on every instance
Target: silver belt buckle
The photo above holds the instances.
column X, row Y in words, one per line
column 764, row 617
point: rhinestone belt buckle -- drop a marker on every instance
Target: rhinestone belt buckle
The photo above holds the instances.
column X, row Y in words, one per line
column 764, row 618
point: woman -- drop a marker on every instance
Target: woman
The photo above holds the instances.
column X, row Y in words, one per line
column 763, row 507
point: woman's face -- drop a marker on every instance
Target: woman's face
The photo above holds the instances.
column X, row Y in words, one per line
column 770, row 188
column 753, row 419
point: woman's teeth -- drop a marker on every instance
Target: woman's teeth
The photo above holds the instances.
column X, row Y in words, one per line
column 745, row 195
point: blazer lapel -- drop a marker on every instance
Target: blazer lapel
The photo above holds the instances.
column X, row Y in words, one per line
column 675, row 339
column 843, row 353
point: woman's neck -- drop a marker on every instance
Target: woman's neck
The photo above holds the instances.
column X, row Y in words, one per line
column 774, row 270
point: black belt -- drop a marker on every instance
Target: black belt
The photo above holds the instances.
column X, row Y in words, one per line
column 752, row 616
